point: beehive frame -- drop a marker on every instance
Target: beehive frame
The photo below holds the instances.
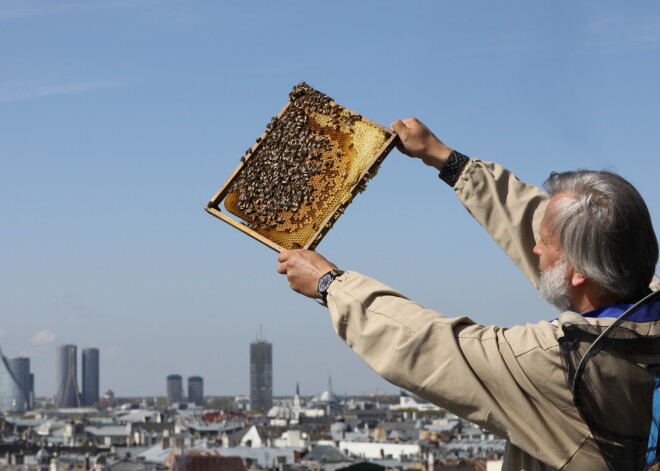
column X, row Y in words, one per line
column 321, row 225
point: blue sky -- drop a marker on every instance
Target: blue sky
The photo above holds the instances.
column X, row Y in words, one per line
column 120, row 119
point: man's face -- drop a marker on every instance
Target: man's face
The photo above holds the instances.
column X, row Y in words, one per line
column 555, row 286
column 547, row 247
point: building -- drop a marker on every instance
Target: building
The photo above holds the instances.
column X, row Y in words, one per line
column 67, row 394
column 196, row 390
column 174, row 389
column 12, row 396
column 261, row 375
column 90, row 376
column 20, row 367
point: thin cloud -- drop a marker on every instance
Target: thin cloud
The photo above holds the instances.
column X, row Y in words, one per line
column 43, row 337
column 10, row 94
column 2, row 333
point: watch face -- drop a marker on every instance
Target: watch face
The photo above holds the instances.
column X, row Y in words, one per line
column 324, row 282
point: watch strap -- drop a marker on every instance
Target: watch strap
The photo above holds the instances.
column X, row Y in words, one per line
column 452, row 168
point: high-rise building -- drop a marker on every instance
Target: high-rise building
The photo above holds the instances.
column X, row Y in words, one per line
column 90, row 376
column 174, row 389
column 196, row 390
column 12, row 396
column 20, row 367
column 67, row 377
column 261, row 374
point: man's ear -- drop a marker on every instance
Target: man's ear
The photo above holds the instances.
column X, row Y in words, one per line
column 578, row 279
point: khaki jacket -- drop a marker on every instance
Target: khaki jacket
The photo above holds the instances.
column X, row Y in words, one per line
column 507, row 380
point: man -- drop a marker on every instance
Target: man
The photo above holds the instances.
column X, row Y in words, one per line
column 596, row 251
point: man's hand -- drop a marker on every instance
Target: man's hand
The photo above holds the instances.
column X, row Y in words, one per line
column 418, row 141
column 303, row 268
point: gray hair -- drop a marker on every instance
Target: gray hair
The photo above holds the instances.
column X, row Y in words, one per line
column 605, row 230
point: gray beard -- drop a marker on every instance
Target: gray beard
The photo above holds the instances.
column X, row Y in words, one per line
column 555, row 288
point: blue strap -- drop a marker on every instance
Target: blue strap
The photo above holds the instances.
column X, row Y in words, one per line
column 652, row 447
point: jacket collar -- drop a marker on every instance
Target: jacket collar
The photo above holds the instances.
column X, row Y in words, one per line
column 645, row 313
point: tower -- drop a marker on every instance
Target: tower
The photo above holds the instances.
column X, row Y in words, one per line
column 90, row 376
column 174, row 389
column 20, row 368
column 67, row 394
column 12, row 396
column 196, row 390
column 261, row 374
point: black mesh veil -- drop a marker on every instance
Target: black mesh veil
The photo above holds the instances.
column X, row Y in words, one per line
column 612, row 372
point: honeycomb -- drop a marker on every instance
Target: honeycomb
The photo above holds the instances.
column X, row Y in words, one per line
column 298, row 178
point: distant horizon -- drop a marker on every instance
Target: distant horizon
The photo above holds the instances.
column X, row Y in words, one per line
column 136, row 398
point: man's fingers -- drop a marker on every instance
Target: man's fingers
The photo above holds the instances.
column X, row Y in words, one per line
column 399, row 126
column 403, row 132
column 412, row 122
column 282, row 268
column 284, row 256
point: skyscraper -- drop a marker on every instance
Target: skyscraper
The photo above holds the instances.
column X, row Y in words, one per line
column 12, row 396
column 20, row 368
column 67, row 377
column 90, row 376
column 261, row 374
column 174, row 389
column 196, row 390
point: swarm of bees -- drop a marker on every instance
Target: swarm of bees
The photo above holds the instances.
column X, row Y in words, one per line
column 274, row 190
column 300, row 175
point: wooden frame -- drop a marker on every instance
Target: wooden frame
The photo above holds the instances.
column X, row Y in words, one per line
column 213, row 206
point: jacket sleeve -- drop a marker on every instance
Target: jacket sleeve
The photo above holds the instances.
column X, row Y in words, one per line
column 509, row 210
column 509, row 381
column 412, row 347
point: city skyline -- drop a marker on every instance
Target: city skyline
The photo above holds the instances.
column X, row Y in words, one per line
column 70, row 392
column 120, row 120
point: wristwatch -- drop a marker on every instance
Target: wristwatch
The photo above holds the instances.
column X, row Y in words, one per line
column 325, row 281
